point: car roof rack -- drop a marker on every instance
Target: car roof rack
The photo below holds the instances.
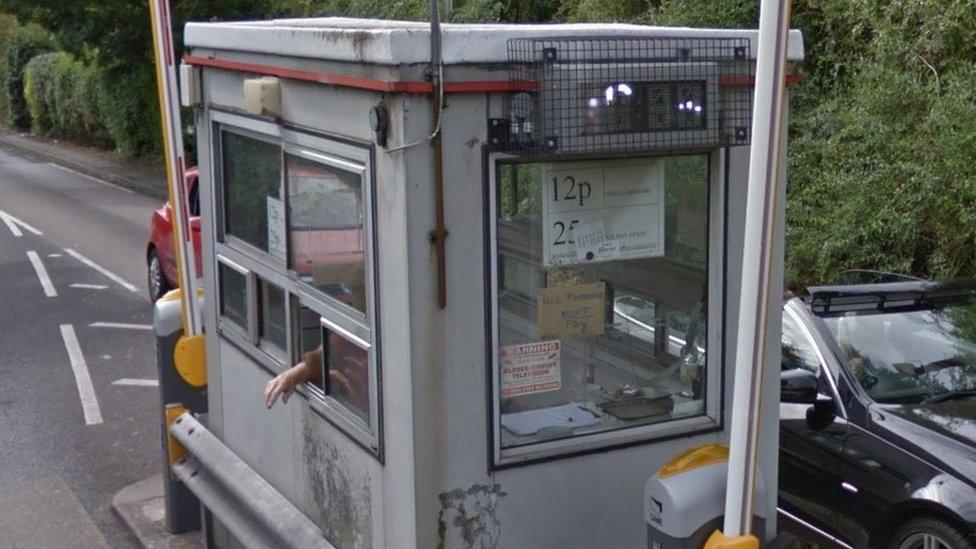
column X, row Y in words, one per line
column 910, row 294
column 873, row 276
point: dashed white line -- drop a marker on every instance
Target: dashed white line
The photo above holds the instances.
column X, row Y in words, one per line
column 86, row 391
column 90, row 286
column 15, row 225
column 132, row 382
column 42, row 274
column 90, row 177
column 121, row 325
column 54, row 255
column 116, row 278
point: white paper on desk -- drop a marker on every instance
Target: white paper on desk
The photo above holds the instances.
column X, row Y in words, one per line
column 571, row 416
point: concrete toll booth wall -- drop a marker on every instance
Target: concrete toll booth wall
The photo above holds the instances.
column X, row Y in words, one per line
column 567, row 367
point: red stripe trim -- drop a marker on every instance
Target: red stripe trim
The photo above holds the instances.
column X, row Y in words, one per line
column 736, row 81
column 358, row 82
column 406, row 86
column 489, row 86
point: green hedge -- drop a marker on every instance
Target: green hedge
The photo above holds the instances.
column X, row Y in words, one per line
column 23, row 43
column 62, row 96
column 129, row 102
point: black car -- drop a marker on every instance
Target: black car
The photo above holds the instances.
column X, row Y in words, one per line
column 878, row 415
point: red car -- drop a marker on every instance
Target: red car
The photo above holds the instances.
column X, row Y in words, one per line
column 160, row 262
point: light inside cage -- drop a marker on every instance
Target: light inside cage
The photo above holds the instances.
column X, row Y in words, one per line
column 690, row 106
column 611, row 91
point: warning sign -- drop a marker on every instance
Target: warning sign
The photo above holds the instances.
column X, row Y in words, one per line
column 530, row 368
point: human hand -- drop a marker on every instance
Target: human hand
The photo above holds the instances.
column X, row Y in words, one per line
column 283, row 385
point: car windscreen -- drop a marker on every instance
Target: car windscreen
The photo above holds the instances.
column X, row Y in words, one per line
column 906, row 356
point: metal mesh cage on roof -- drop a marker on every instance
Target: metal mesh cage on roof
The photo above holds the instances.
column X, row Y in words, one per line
column 596, row 95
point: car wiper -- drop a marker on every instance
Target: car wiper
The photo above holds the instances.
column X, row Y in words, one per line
column 949, row 395
column 929, row 367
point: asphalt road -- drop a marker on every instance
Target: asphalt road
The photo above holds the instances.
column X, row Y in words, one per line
column 71, row 435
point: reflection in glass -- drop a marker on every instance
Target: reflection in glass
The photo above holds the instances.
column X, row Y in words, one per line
column 607, row 340
column 911, row 354
column 347, row 373
column 233, row 295
column 252, row 190
column 271, row 315
column 325, row 229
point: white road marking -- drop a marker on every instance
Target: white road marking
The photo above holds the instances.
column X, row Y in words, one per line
column 131, row 382
column 90, row 177
column 54, row 255
column 116, row 278
column 86, row 391
column 121, row 325
column 15, row 225
column 90, row 286
column 42, row 274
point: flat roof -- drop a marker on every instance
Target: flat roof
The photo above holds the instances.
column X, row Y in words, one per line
column 385, row 42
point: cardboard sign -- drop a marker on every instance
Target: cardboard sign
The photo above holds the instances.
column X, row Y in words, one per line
column 530, row 368
column 602, row 211
column 572, row 311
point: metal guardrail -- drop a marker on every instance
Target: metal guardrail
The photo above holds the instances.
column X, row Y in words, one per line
column 254, row 512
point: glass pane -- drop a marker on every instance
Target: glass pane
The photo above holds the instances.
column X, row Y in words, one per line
column 347, row 369
column 233, row 295
column 253, row 205
column 601, row 295
column 325, row 232
column 914, row 355
column 308, row 334
column 271, row 315
column 797, row 350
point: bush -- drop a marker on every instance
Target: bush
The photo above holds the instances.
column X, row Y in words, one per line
column 25, row 43
column 129, row 102
column 61, row 97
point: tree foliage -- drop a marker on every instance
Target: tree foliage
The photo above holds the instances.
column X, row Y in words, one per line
column 115, row 35
column 882, row 131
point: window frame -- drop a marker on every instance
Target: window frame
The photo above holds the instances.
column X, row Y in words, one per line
column 360, row 328
column 790, row 310
column 712, row 415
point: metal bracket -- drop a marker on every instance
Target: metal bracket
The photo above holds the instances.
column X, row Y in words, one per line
column 499, row 132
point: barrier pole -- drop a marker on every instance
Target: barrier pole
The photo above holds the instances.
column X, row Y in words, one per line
column 765, row 186
column 169, row 107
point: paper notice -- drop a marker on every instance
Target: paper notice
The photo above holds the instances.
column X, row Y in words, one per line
column 530, row 368
column 276, row 227
column 592, row 243
column 572, row 311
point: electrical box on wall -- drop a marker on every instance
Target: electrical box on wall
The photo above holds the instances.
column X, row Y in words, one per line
column 262, row 96
column 610, row 95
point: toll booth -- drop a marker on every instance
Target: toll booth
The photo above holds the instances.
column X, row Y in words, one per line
column 521, row 265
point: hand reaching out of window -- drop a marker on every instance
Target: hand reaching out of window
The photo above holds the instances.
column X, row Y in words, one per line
column 308, row 370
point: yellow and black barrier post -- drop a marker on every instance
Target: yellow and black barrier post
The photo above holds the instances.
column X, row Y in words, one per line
column 180, row 392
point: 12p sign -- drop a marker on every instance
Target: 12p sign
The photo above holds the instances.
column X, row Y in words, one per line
column 606, row 211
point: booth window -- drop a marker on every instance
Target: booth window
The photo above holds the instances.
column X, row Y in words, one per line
column 233, row 294
column 325, row 229
column 295, row 274
column 253, row 203
column 346, row 373
column 272, row 315
column 601, row 293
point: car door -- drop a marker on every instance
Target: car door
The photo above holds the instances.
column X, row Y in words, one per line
column 811, row 443
column 876, row 474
